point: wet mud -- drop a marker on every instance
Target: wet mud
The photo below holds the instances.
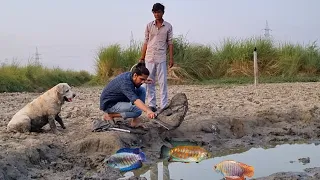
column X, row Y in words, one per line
column 222, row 119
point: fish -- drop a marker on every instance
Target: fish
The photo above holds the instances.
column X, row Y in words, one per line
column 233, row 170
column 188, row 154
column 126, row 159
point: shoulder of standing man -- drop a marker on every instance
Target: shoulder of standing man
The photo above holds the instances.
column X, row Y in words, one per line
column 150, row 23
column 169, row 31
column 166, row 23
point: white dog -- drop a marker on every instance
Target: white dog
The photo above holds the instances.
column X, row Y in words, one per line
column 42, row 110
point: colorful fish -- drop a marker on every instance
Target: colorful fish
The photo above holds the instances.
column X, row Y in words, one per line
column 233, row 170
column 126, row 159
column 188, row 154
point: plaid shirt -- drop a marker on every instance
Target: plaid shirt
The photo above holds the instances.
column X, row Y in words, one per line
column 120, row 89
column 157, row 40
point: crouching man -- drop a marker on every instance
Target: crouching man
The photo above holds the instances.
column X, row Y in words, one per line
column 125, row 97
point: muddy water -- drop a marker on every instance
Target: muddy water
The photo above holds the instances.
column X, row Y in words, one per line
column 282, row 158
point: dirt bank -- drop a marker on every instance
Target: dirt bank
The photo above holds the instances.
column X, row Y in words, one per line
column 222, row 118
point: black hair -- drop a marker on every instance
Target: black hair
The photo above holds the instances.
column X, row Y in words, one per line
column 140, row 69
column 158, row 7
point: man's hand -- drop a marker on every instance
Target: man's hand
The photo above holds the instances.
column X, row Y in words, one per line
column 141, row 60
column 151, row 114
column 149, row 81
column 171, row 63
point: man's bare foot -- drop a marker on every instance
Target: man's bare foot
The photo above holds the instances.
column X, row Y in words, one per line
column 107, row 117
column 136, row 123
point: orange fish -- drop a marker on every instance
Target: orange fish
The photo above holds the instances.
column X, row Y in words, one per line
column 233, row 170
column 188, row 154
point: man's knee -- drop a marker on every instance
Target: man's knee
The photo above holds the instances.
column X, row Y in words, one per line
column 141, row 90
column 137, row 113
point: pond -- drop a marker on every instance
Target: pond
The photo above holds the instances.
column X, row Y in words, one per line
column 281, row 158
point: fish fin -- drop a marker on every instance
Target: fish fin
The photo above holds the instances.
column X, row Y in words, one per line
column 129, row 150
column 172, row 160
column 248, row 170
column 234, row 178
column 142, row 156
column 132, row 167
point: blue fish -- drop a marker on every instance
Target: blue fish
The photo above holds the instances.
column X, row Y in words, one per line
column 126, row 159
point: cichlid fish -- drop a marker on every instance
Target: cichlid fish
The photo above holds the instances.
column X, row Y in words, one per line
column 188, row 154
column 126, row 159
column 233, row 170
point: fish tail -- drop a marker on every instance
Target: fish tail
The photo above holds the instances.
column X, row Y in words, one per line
column 164, row 152
column 248, row 170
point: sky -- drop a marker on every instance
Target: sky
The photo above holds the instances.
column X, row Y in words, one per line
column 68, row 33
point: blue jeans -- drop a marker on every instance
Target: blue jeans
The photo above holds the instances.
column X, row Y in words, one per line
column 127, row 109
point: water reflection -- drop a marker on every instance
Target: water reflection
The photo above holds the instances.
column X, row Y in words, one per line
column 266, row 161
column 155, row 171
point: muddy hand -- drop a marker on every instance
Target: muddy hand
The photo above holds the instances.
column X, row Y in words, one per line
column 151, row 114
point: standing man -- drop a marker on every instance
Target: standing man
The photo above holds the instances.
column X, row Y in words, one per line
column 158, row 38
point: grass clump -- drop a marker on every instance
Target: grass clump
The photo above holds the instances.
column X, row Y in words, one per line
column 113, row 60
column 34, row 77
column 229, row 61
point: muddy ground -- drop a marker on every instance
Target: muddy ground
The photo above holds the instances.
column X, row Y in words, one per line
column 221, row 118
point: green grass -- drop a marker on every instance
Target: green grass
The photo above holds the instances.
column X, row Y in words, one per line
column 34, row 77
column 112, row 60
column 229, row 61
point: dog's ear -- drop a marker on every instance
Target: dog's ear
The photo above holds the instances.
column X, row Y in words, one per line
column 60, row 88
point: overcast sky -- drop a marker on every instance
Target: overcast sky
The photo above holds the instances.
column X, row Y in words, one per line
column 69, row 32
